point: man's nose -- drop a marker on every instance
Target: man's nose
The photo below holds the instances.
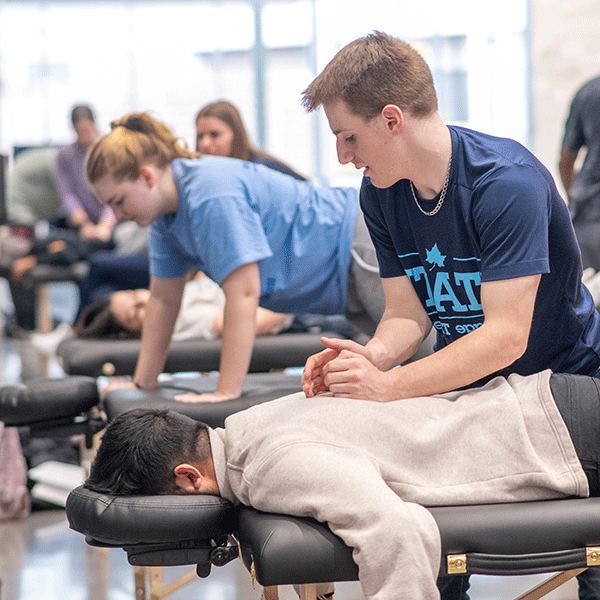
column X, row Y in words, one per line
column 344, row 155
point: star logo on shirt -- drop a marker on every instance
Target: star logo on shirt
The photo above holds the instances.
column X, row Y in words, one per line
column 435, row 257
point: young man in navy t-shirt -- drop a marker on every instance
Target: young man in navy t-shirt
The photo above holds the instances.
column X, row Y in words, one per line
column 472, row 238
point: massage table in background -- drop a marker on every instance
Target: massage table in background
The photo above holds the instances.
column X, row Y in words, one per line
column 118, row 357
column 38, row 279
column 72, row 405
column 157, row 531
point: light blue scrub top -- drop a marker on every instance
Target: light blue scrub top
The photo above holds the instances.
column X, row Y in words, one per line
column 232, row 213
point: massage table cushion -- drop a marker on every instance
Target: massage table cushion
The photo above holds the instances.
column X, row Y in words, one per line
column 499, row 539
column 119, row 357
column 46, row 404
column 258, row 387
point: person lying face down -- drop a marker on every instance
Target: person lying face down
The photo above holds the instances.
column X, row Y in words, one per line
column 367, row 469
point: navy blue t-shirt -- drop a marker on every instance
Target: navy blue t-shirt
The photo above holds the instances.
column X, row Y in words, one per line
column 502, row 218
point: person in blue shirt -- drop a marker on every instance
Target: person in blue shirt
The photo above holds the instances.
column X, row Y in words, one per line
column 473, row 241
column 266, row 238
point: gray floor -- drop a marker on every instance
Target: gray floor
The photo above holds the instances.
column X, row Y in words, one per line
column 41, row 558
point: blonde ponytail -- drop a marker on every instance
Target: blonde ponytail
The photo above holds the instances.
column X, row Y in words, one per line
column 134, row 141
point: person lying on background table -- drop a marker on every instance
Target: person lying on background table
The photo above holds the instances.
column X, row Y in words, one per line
column 121, row 314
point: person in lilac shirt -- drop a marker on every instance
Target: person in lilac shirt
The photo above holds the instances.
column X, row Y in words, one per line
column 94, row 221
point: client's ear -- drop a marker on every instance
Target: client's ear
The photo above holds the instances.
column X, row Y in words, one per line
column 188, row 478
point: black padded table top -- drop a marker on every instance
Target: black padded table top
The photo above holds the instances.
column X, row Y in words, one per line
column 43, row 400
column 498, row 539
column 118, row 357
column 258, row 387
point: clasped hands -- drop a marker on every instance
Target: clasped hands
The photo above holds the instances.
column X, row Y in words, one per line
column 345, row 369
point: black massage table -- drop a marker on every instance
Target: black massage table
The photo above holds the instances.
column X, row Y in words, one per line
column 504, row 539
column 118, row 357
column 258, row 387
column 512, row 539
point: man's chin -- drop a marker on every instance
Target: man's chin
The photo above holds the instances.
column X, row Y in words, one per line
column 376, row 183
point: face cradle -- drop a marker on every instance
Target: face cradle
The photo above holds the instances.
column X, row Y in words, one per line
column 213, row 137
column 129, row 308
column 366, row 144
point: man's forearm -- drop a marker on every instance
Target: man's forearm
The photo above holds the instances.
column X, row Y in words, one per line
column 395, row 341
column 463, row 362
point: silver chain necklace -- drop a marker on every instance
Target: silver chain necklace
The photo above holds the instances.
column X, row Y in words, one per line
column 442, row 193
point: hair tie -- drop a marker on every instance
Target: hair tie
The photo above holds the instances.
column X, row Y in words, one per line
column 135, row 124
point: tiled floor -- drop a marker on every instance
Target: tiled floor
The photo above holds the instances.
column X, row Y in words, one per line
column 40, row 558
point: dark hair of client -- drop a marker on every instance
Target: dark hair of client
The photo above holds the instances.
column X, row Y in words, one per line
column 140, row 450
column 98, row 321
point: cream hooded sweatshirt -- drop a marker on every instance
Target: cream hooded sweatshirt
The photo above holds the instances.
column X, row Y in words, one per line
column 368, row 468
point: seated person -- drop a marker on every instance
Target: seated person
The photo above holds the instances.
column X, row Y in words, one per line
column 86, row 220
column 121, row 314
column 367, row 469
column 32, row 196
column 94, row 221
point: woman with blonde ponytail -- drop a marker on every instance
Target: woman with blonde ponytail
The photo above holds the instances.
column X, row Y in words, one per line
column 266, row 238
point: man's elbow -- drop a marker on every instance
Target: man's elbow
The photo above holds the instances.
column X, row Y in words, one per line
column 513, row 346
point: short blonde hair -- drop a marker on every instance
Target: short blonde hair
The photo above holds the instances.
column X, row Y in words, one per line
column 134, row 141
column 370, row 73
